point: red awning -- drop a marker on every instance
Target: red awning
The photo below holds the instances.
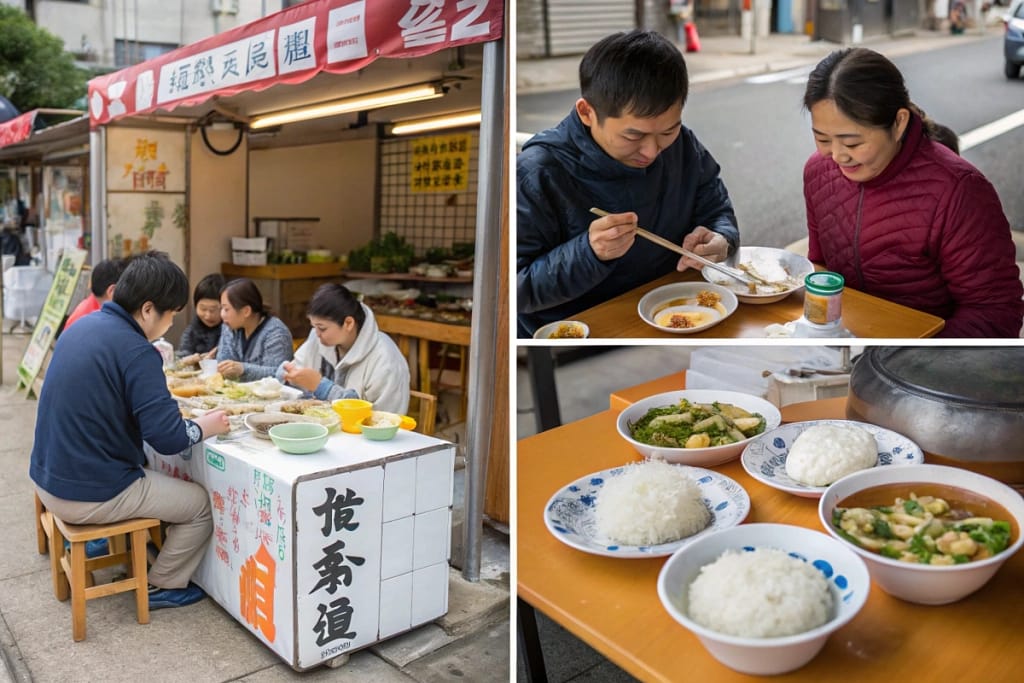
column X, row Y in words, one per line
column 17, row 129
column 292, row 46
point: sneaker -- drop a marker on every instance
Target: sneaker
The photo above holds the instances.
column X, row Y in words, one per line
column 159, row 598
column 97, row 548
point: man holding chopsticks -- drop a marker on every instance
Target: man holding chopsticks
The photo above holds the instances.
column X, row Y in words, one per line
column 622, row 149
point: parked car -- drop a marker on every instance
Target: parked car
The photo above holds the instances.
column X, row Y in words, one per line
column 1013, row 41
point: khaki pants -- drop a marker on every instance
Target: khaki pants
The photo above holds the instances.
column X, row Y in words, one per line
column 185, row 506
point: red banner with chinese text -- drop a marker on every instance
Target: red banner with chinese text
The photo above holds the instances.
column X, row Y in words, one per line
column 292, row 46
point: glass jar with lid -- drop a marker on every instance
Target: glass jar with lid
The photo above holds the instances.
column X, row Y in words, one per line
column 823, row 296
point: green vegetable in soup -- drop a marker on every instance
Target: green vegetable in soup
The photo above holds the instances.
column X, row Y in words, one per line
column 922, row 530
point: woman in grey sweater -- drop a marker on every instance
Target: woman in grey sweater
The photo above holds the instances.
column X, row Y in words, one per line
column 253, row 343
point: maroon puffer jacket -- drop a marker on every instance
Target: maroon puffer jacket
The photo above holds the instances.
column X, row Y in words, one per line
column 928, row 233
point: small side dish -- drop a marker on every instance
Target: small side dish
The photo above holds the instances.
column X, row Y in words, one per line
column 696, row 425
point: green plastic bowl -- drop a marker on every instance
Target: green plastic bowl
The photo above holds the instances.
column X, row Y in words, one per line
column 299, row 438
column 381, row 432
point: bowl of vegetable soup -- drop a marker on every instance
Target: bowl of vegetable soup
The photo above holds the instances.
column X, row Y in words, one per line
column 930, row 534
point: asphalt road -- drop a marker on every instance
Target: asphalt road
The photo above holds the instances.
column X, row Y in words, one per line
column 760, row 135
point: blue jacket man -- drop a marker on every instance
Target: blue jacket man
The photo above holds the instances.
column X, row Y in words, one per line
column 622, row 149
column 105, row 394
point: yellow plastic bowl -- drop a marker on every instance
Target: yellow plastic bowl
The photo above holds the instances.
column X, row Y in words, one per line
column 352, row 411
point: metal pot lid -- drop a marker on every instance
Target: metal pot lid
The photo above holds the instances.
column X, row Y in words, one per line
column 989, row 377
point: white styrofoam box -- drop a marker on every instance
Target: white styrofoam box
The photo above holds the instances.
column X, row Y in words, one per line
column 698, row 380
column 429, row 593
column 395, row 605
column 431, row 538
column 249, row 258
column 249, row 243
column 784, row 389
column 399, row 488
column 434, row 480
column 396, row 547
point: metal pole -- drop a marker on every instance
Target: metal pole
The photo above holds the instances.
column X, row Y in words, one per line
column 484, row 334
column 98, row 193
column 753, row 27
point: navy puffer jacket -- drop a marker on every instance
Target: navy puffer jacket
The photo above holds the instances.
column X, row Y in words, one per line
column 928, row 233
column 561, row 173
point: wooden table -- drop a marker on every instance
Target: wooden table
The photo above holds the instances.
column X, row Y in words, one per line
column 863, row 315
column 612, row 604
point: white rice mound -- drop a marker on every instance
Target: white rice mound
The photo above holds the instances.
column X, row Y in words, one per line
column 651, row 502
column 764, row 593
column 827, row 452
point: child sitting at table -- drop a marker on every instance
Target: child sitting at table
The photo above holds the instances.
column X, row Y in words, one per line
column 347, row 356
column 203, row 333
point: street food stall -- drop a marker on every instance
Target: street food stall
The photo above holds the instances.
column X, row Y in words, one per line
column 300, row 114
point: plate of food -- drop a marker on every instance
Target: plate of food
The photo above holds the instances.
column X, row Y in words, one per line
column 644, row 509
column 315, row 409
column 804, row 458
column 785, row 271
column 700, row 427
column 686, row 307
column 563, row 329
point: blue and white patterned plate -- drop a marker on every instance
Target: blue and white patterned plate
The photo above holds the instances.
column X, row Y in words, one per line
column 569, row 515
column 764, row 458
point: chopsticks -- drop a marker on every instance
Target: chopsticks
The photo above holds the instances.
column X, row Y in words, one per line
column 657, row 239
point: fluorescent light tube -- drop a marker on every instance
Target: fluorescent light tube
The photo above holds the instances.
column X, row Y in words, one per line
column 465, row 118
column 384, row 98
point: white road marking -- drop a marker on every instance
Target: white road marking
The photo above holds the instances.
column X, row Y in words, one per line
column 800, row 71
column 973, row 138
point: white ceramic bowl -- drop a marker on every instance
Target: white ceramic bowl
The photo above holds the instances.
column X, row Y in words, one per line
column 682, row 295
column 545, row 331
column 698, row 457
column 848, row 579
column 796, row 265
column 926, row 584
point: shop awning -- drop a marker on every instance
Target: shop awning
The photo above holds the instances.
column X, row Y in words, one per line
column 30, row 143
column 17, row 129
column 293, row 46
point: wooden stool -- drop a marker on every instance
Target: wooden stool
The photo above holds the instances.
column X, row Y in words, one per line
column 73, row 576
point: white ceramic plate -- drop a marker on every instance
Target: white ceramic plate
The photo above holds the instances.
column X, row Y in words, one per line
column 545, row 331
column 764, row 458
column 684, row 294
column 698, row 457
column 797, row 266
column 569, row 515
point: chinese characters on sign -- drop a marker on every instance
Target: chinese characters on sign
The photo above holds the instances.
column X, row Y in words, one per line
column 147, row 172
column 338, row 37
column 56, row 305
column 335, row 617
column 440, row 163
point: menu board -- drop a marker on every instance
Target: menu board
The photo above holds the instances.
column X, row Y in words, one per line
column 65, row 280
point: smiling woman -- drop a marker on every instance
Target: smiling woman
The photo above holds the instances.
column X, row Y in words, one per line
column 897, row 213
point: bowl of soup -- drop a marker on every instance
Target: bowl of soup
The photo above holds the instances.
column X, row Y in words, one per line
column 930, row 534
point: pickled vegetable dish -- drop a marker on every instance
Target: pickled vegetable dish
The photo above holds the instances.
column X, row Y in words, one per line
column 926, row 529
column 696, row 425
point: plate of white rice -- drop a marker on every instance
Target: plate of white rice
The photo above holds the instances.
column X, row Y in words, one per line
column 833, row 456
column 644, row 509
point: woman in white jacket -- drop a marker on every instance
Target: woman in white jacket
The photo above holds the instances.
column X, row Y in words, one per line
column 347, row 356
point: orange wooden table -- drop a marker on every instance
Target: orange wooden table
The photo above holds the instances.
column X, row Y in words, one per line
column 863, row 315
column 612, row 604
